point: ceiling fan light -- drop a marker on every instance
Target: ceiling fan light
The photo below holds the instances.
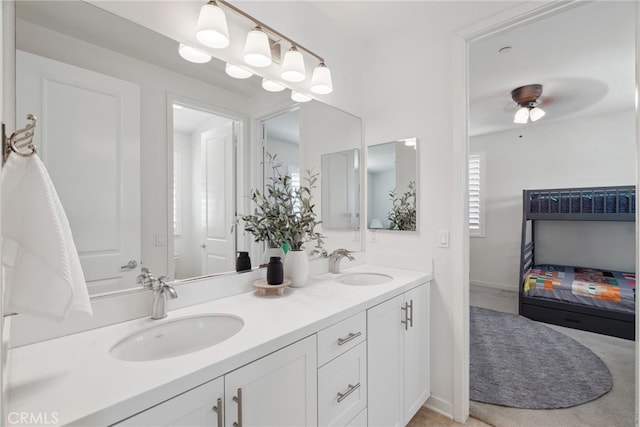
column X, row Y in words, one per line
column 237, row 72
column 321, row 80
column 192, row 54
column 299, row 96
column 536, row 114
column 271, row 86
column 257, row 51
column 212, row 27
column 293, row 66
column 522, row 116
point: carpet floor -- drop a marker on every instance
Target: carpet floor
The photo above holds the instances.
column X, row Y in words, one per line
column 520, row 363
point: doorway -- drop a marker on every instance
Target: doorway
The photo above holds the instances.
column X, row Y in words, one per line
column 203, row 191
column 503, row 23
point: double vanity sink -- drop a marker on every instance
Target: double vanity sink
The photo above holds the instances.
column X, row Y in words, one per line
column 188, row 334
column 104, row 375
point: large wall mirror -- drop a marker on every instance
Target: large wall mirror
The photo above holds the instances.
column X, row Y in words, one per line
column 152, row 156
column 392, row 178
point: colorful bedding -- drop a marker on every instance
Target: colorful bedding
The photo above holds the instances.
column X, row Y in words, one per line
column 611, row 290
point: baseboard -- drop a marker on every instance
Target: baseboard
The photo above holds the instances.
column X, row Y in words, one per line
column 440, row 406
column 501, row 286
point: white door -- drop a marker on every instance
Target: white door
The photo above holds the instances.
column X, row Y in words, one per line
column 218, row 199
column 89, row 138
column 385, row 363
column 278, row 390
column 416, row 352
column 195, row 408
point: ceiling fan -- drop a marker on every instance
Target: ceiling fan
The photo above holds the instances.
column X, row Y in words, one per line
column 528, row 98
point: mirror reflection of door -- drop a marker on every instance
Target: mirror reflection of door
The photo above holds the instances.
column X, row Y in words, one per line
column 281, row 137
column 89, row 139
column 203, row 192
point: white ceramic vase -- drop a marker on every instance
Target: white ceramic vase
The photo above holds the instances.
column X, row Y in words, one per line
column 296, row 268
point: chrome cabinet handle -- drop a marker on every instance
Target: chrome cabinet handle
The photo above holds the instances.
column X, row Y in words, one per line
column 130, row 265
column 348, row 338
column 405, row 322
column 351, row 389
column 238, row 400
column 410, row 315
column 218, row 410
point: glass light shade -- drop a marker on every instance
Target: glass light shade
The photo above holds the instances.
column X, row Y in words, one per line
column 536, row 113
column 522, row 116
column 257, row 51
column 299, row 97
column 237, row 72
column 271, row 86
column 293, row 66
column 212, row 27
column 192, row 54
column 321, row 80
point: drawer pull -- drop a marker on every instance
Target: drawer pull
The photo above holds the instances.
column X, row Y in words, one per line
column 218, row 410
column 351, row 389
column 349, row 338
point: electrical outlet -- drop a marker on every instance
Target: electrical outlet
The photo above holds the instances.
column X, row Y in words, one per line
column 159, row 240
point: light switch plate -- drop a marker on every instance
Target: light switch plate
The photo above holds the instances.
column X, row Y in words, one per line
column 443, row 238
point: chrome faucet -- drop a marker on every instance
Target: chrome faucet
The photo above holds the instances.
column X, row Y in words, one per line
column 161, row 291
column 335, row 257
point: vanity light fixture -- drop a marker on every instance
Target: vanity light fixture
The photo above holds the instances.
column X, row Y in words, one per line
column 321, row 80
column 257, row 50
column 271, row 86
column 262, row 47
column 293, row 66
column 212, row 30
column 192, row 54
column 237, row 72
column 299, row 96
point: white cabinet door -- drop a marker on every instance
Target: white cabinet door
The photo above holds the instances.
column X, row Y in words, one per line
column 278, row 390
column 416, row 352
column 384, row 359
column 194, row 408
column 398, row 357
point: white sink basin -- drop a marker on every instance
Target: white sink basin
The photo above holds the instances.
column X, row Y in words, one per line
column 177, row 337
column 363, row 279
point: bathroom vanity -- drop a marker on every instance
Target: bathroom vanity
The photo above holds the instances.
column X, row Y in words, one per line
column 325, row 354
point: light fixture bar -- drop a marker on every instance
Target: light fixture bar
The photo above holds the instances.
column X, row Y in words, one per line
column 266, row 28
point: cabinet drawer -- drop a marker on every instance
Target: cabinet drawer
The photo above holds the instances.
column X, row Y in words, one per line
column 342, row 387
column 343, row 336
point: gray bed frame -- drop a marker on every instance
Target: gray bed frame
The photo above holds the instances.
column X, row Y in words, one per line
column 574, row 204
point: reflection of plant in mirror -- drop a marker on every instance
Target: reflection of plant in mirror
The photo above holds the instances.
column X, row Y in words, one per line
column 403, row 214
column 284, row 212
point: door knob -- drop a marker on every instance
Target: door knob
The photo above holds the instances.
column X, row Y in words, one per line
column 203, row 246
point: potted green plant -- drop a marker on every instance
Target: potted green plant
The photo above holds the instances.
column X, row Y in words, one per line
column 403, row 213
column 284, row 213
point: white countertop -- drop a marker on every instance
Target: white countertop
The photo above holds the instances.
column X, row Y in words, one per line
column 76, row 378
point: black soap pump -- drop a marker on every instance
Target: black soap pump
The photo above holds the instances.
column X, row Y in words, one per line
column 275, row 271
column 243, row 262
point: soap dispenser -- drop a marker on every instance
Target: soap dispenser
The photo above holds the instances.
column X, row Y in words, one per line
column 243, row 262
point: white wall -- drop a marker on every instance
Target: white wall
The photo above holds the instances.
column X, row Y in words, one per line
column 408, row 90
column 591, row 151
column 379, row 204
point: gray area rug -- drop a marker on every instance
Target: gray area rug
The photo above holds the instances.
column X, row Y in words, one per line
column 520, row 363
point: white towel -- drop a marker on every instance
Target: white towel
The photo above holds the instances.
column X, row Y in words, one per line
column 43, row 275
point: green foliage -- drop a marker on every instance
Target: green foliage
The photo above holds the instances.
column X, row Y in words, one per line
column 403, row 214
column 283, row 213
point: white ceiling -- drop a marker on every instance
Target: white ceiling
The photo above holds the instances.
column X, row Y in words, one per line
column 584, row 57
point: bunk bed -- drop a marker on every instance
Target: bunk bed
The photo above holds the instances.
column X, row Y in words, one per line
column 579, row 297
